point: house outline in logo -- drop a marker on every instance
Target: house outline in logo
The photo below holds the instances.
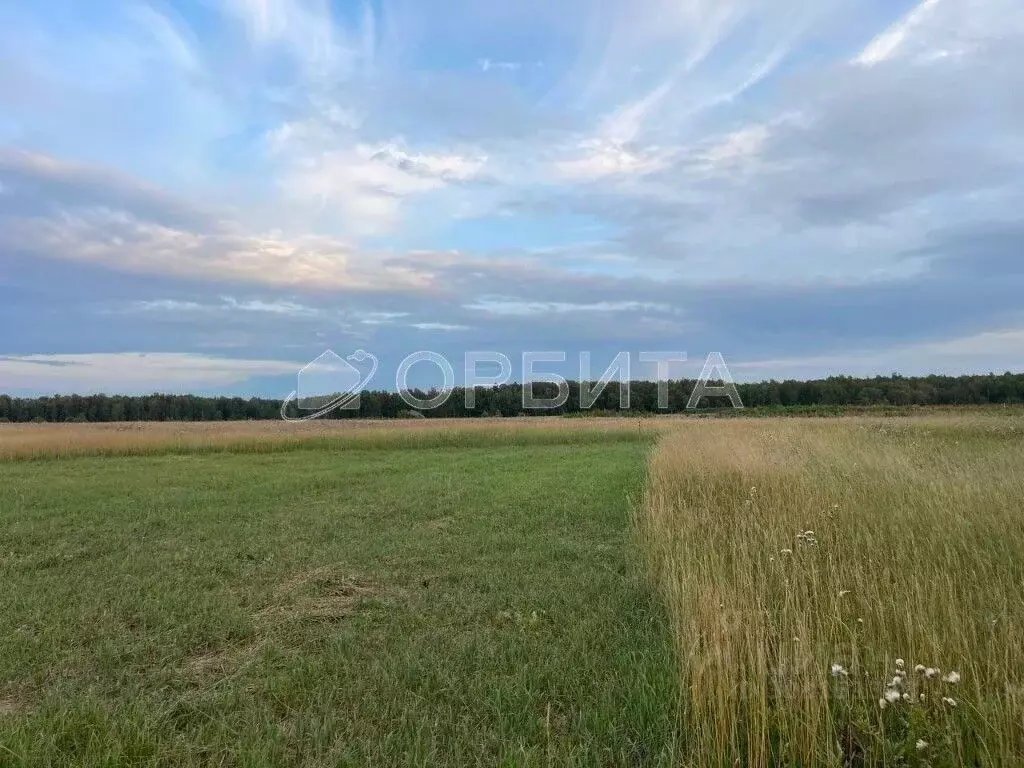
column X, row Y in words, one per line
column 329, row 368
column 329, row 383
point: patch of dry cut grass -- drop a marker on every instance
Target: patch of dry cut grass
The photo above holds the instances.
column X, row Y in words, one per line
column 810, row 567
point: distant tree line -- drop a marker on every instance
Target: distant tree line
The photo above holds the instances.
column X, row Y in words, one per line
column 506, row 400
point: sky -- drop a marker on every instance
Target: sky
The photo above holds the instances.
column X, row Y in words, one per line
column 205, row 195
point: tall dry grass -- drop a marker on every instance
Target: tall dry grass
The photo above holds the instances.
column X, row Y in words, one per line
column 782, row 548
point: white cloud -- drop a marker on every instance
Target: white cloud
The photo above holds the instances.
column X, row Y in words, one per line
column 486, row 65
column 991, row 351
column 938, row 30
column 380, row 318
column 626, row 123
column 737, row 146
column 595, row 159
column 120, row 240
column 168, row 305
column 308, row 31
column 132, row 372
column 439, row 327
column 280, row 307
column 227, row 304
column 887, row 44
column 760, row 71
column 367, row 184
column 331, row 122
column 624, row 142
column 440, row 166
column 513, row 307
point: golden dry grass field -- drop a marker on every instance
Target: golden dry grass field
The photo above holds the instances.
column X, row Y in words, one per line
column 141, row 438
column 844, row 592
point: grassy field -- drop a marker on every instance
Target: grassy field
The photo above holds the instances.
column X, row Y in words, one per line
column 33, row 441
column 844, row 592
column 673, row 592
column 463, row 606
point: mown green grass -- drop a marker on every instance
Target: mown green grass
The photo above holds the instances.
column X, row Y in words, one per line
column 460, row 606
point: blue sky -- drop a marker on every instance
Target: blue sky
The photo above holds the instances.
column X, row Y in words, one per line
column 204, row 195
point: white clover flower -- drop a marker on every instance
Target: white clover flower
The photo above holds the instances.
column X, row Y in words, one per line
column 900, row 663
column 906, row 697
column 896, row 682
column 949, row 700
column 952, row 677
column 931, row 672
column 837, row 670
column 921, row 745
column 891, row 695
column 882, row 703
column 785, row 551
column 919, row 668
column 922, row 697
